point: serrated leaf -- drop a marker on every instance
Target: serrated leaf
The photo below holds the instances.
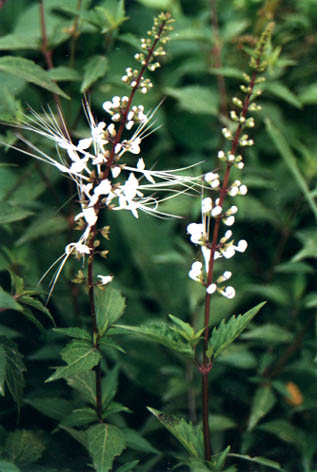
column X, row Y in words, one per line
column 24, row 447
column 8, row 302
column 77, row 333
column 81, row 417
column 31, row 72
column 109, row 305
column 224, row 334
column 3, row 366
column 85, row 383
column 268, row 333
column 114, row 408
column 263, row 401
column 187, row 434
column 35, row 303
column 195, row 99
column 95, row 69
column 185, row 328
column 80, row 356
column 29, row 315
column 162, row 333
column 14, row 371
column 105, row 442
column 258, row 460
column 53, row 407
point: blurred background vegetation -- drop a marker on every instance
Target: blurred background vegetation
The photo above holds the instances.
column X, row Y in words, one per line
column 263, row 389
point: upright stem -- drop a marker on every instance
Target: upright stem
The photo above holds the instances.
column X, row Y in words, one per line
column 206, row 365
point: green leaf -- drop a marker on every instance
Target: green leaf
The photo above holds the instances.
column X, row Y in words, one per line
column 113, row 408
column 7, row 302
column 42, row 226
column 263, row 401
column 105, row 442
column 109, row 386
column 107, row 342
column 221, row 423
column 308, row 238
column 31, row 72
column 10, row 212
column 310, row 300
column 309, row 95
column 128, row 466
column 268, row 333
column 14, row 371
column 80, row 356
column 281, row 91
column 24, row 447
column 188, row 435
column 7, row 466
column 258, row 460
column 81, row 417
column 237, row 355
column 195, row 99
column 162, row 333
column 290, row 160
column 85, row 383
column 224, row 334
column 231, row 72
column 286, row 432
column 64, row 74
column 77, row 333
column 36, row 303
column 135, row 441
column 53, row 407
column 95, row 69
column 110, row 305
column 186, row 329
column 13, row 42
column 3, row 365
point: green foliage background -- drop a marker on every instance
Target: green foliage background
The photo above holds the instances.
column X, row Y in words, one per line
column 253, row 406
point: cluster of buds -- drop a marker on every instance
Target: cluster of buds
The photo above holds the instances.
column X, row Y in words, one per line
column 205, row 234
column 152, row 48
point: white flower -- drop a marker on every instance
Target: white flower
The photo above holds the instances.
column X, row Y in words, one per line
column 211, row 289
column 195, row 272
column 197, row 232
column 105, row 279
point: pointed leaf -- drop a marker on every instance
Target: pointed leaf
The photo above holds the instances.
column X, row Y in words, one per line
column 258, row 460
column 162, row 333
column 8, row 302
column 10, row 213
column 268, row 333
column 135, row 441
column 186, row 328
column 85, row 383
column 29, row 71
column 105, row 442
column 81, row 417
column 263, row 401
column 80, row 356
column 110, row 305
column 77, row 333
column 63, row 73
column 224, row 334
column 95, row 69
column 194, row 98
column 109, row 386
column 188, row 435
column 53, row 407
column 35, row 303
column 290, row 160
